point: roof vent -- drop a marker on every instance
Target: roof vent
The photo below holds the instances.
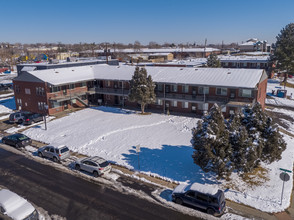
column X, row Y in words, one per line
column 196, row 69
column 118, row 66
column 229, row 72
column 72, row 70
column 56, row 72
column 181, row 69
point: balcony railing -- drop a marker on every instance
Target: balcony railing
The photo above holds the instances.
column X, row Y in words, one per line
column 66, row 96
column 110, row 91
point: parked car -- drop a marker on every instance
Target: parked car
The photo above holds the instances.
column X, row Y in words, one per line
column 17, row 140
column 5, row 87
column 16, row 207
column 17, row 117
column 32, row 118
column 95, row 165
column 212, row 200
column 55, row 153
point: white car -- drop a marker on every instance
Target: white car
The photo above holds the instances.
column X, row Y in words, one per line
column 95, row 165
column 16, row 207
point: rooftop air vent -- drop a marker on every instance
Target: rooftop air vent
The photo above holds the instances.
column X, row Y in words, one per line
column 181, row 69
column 72, row 70
column 229, row 72
column 196, row 69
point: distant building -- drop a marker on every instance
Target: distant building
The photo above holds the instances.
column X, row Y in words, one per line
column 187, row 90
column 72, row 62
column 254, row 44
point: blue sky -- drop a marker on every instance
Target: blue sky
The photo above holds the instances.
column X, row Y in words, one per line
column 125, row 21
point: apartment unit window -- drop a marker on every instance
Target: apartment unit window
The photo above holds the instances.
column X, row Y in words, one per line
column 203, row 90
column 17, row 89
column 19, row 102
column 71, row 86
column 107, row 83
column 203, row 106
column 233, row 64
column 55, row 89
column 107, row 97
column 83, row 84
column 55, row 104
column 221, row 91
column 174, row 88
column 159, row 87
column 41, row 105
column 245, row 93
column 159, row 102
column 40, row 91
column 174, row 104
column 27, row 91
column 185, row 89
column 185, row 104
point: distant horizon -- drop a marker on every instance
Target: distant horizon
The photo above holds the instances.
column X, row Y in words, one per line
column 160, row 21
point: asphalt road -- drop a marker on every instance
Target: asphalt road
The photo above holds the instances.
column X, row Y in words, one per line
column 73, row 197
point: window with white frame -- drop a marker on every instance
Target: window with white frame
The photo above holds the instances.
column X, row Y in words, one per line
column 40, row 91
column 19, row 102
column 203, row 106
column 27, row 91
column 185, row 88
column 221, row 91
column 159, row 101
column 245, row 93
column 203, row 90
column 174, row 88
column 41, row 105
column 174, row 104
column 185, row 104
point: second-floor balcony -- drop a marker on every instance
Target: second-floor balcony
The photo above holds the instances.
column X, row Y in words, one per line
column 109, row 91
column 64, row 96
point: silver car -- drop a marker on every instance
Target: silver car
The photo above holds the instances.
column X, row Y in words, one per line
column 95, row 165
column 55, row 153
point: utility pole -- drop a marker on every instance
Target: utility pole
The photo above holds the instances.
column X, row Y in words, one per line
column 106, row 53
column 204, row 54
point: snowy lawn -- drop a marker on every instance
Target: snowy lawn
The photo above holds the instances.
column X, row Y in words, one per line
column 165, row 150
column 274, row 84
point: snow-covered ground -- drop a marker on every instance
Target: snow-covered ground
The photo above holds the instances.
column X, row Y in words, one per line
column 165, row 150
column 274, row 84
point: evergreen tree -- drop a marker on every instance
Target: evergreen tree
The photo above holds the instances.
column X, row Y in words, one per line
column 211, row 143
column 213, row 61
column 142, row 88
column 284, row 50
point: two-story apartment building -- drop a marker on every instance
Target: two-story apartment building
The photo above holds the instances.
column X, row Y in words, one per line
column 189, row 90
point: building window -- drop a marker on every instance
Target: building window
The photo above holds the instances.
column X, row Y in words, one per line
column 185, row 104
column 185, row 88
column 108, row 97
column 246, row 93
column 27, row 91
column 107, row 83
column 55, row 89
column 174, row 104
column 159, row 87
column 19, row 102
column 83, row 84
column 221, row 91
column 159, row 102
column 174, row 88
column 55, row 104
column 203, row 106
column 41, row 105
column 203, row 90
column 17, row 89
column 71, row 86
column 40, row 91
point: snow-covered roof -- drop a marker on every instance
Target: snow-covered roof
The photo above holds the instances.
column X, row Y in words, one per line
column 159, row 50
column 244, row 58
column 245, row 78
column 206, row 189
column 159, row 54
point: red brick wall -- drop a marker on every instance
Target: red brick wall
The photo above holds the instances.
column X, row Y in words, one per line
column 29, row 101
column 261, row 94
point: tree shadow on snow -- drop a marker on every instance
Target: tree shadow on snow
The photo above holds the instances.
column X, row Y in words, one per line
column 171, row 162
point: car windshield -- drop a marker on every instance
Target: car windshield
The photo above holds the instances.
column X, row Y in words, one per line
column 104, row 164
column 63, row 150
column 21, row 137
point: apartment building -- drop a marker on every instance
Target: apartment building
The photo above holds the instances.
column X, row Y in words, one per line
column 188, row 90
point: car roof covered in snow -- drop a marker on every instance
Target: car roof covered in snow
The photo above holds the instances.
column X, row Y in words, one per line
column 203, row 188
column 15, row 206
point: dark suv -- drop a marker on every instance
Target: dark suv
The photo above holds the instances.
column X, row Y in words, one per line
column 32, row 118
column 200, row 196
